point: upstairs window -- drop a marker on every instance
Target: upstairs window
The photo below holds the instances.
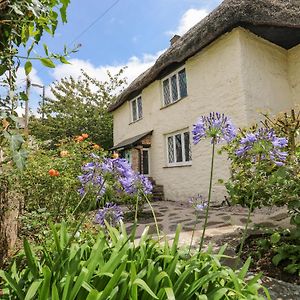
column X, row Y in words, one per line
column 179, row 149
column 136, row 109
column 174, row 87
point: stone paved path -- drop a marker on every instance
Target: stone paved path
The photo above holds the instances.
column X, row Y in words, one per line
column 223, row 218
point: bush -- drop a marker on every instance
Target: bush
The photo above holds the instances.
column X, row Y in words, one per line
column 116, row 266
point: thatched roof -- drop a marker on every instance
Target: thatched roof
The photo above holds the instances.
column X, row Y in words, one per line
column 275, row 20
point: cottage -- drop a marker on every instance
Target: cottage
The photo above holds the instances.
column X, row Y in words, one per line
column 242, row 59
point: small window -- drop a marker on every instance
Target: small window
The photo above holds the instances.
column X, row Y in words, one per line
column 174, row 87
column 179, row 149
column 136, row 109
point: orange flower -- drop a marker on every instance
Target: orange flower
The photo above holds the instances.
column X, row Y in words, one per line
column 96, row 147
column 79, row 138
column 53, row 173
column 115, row 155
column 85, row 135
column 64, row 153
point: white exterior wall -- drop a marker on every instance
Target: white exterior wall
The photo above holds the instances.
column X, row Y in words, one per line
column 265, row 74
column 217, row 80
column 294, row 73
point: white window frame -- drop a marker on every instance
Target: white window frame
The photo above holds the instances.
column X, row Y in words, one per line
column 184, row 161
column 131, row 103
column 176, row 72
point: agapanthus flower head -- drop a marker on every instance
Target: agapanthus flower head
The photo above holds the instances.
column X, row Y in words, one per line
column 133, row 184
column 263, row 145
column 216, row 126
column 110, row 213
column 98, row 173
column 198, row 203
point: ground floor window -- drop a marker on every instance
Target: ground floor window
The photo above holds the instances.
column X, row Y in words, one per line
column 179, row 148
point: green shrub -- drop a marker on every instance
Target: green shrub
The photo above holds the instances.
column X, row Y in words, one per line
column 50, row 180
column 116, row 266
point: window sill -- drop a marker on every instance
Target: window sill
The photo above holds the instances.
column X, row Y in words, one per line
column 165, row 106
column 178, row 166
column 133, row 122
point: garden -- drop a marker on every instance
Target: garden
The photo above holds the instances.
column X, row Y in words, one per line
column 66, row 203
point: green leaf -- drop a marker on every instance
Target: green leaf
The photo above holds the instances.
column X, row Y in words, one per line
column 278, row 258
column 93, row 295
column 28, row 67
column 112, row 282
column 33, row 289
column 217, row 294
column 170, row 293
column 275, row 238
column 16, row 142
column 31, row 261
column 142, row 284
column 78, row 283
column 13, row 284
column 46, row 49
column 3, row 69
column 64, row 60
column 55, row 295
column 19, row 158
column 47, row 62
column 23, row 96
column 244, row 269
column 44, row 294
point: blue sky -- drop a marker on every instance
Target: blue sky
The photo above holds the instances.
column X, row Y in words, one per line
column 132, row 33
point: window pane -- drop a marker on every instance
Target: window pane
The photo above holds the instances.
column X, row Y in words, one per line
column 187, row 147
column 182, row 83
column 174, row 88
column 166, row 89
column 170, row 149
column 140, row 107
column 178, row 144
column 134, row 112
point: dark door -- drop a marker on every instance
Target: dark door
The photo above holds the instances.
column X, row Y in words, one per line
column 146, row 167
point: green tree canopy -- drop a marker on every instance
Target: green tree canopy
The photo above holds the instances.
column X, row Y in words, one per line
column 79, row 106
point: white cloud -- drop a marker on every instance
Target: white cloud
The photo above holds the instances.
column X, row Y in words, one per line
column 190, row 18
column 135, row 66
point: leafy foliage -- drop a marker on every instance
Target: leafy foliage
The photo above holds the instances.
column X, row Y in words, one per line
column 114, row 267
column 56, row 192
column 12, row 141
column 26, row 21
column 79, row 105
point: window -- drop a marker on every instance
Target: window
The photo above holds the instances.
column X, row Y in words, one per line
column 179, row 149
column 136, row 109
column 174, row 87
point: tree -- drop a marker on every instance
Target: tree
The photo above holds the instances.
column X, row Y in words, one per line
column 22, row 23
column 79, row 106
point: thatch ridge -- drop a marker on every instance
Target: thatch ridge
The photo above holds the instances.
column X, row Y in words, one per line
column 228, row 15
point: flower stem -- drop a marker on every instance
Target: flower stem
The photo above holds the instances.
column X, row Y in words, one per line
column 136, row 208
column 246, row 228
column 154, row 216
column 192, row 238
column 209, row 193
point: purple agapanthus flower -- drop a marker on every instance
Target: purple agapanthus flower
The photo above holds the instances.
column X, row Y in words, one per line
column 110, row 213
column 263, row 145
column 216, row 126
column 198, row 203
column 132, row 184
column 97, row 173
